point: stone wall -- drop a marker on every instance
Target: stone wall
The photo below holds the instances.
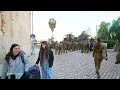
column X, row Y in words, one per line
column 15, row 27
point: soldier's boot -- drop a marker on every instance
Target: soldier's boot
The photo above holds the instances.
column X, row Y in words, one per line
column 65, row 51
column 117, row 62
column 98, row 75
column 81, row 51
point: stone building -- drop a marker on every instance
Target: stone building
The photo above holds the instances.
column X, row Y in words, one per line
column 15, row 27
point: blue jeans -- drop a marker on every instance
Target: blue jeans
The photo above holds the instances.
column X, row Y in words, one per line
column 46, row 70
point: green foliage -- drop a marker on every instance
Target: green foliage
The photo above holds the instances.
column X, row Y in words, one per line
column 52, row 24
column 115, row 29
column 83, row 36
column 104, row 30
column 110, row 43
column 110, row 32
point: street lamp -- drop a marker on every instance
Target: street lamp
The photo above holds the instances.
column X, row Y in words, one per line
column 32, row 22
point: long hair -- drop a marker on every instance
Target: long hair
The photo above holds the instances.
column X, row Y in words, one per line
column 10, row 53
column 43, row 52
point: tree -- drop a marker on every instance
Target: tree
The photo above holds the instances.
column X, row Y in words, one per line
column 52, row 25
column 115, row 29
column 84, row 36
column 69, row 37
column 103, row 30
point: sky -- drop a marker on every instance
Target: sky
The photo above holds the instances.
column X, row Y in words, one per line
column 69, row 22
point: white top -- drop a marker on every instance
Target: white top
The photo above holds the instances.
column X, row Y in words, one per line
column 12, row 67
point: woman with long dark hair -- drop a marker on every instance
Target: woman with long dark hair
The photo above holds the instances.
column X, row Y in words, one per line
column 45, row 58
column 15, row 65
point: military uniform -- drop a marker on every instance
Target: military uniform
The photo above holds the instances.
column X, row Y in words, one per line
column 118, row 55
column 56, row 48
column 97, row 54
column 85, row 47
column 82, row 47
column 60, row 48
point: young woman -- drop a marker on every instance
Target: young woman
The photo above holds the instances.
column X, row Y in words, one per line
column 45, row 58
column 15, row 65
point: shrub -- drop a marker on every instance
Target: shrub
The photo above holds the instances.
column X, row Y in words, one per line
column 110, row 43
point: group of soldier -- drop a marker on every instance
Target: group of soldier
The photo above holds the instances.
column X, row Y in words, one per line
column 67, row 46
column 84, row 46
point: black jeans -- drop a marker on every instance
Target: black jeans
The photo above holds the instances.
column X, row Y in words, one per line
column 24, row 76
column 11, row 76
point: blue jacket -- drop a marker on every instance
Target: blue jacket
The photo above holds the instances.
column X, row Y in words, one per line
column 20, row 67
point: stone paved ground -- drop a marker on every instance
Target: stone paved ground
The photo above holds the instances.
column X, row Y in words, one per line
column 76, row 65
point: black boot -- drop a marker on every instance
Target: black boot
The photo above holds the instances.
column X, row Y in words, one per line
column 117, row 62
column 98, row 74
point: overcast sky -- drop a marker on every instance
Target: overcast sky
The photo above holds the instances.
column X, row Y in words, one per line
column 69, row 22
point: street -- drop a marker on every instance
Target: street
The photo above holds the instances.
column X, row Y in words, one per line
column 77, row 65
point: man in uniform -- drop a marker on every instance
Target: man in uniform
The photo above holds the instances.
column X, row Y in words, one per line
column 118, row 53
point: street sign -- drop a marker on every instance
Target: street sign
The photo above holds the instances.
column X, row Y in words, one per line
column 32, row 36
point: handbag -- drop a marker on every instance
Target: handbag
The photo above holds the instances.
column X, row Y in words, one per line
column 104, row 54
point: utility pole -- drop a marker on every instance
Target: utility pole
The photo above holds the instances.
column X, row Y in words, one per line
column 32, row 22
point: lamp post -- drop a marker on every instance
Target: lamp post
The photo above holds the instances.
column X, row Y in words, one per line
column 32, row 22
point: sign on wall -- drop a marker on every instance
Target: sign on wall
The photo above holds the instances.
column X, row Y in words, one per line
column 32, row 36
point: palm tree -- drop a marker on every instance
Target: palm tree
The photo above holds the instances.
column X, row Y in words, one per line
column 52, row 25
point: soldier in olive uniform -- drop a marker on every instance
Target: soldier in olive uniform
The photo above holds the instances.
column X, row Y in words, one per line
column 56, row 47
column 87, row 46
column 118, row 53
column 65, row 46
column 72, row 46
column 82, row 47
column 97, row 54
column 60, row 48
column 69, row 46
column 78, row 45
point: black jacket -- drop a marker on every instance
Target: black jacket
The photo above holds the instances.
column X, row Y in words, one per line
column 50, row 58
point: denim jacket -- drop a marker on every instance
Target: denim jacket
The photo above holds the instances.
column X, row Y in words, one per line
column 20, row 67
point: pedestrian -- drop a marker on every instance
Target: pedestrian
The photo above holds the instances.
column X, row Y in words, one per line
column 91, row 46
column 118, row 53
column 97, row 54
column 46, row 59
column 16, row 64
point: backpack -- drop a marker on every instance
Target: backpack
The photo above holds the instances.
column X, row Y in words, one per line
column 22, row 56
column 34, row 72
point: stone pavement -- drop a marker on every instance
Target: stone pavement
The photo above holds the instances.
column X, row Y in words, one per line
column 76, row 65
